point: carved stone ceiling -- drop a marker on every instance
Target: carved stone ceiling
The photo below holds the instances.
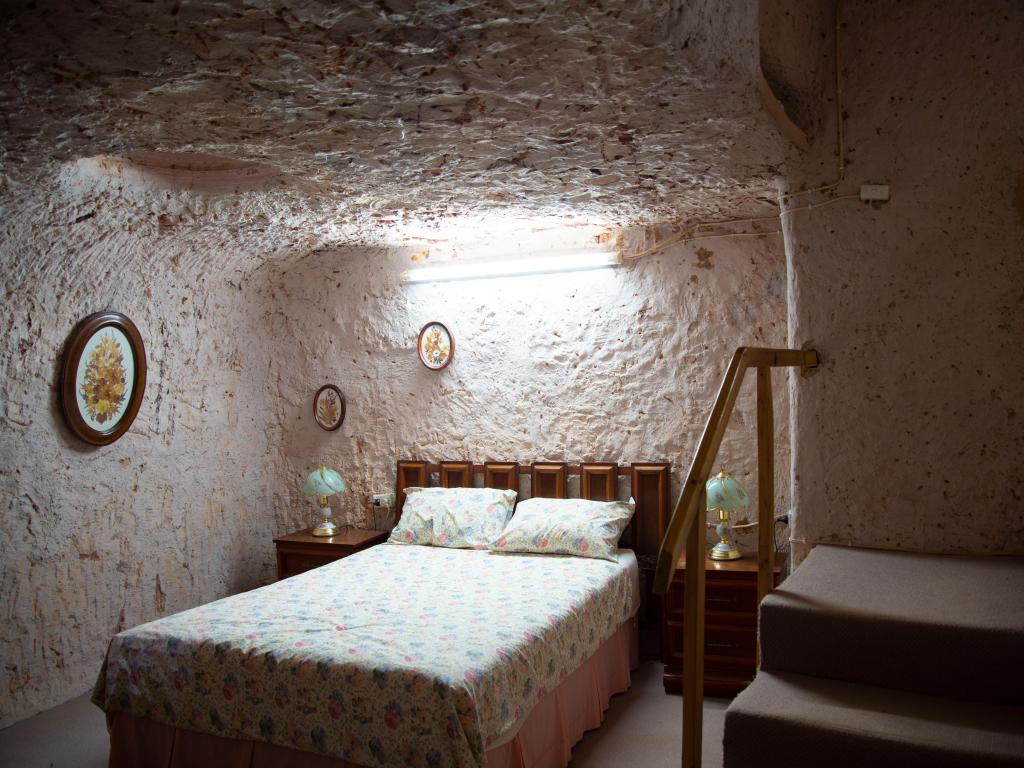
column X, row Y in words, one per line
column 388, row 112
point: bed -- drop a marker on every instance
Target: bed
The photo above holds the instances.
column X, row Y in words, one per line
column 394, row 656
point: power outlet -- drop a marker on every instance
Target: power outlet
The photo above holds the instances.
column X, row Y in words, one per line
column 384, row 500
column 870, row 193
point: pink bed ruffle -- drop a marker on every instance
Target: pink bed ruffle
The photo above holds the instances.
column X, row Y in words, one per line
column 545, row 739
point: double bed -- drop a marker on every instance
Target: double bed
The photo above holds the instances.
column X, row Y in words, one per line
column 395, row 656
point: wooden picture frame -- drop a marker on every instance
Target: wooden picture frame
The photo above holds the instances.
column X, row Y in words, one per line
column 328, row 407
column 435, row 346
column 103, row 378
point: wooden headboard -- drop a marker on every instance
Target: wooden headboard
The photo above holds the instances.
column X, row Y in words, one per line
column 647, row 482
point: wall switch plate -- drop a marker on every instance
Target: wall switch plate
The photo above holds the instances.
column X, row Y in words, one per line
column 874, row 192
column 383, row 499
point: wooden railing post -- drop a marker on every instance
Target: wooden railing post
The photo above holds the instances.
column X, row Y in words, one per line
column 765, row 483
column 683, row 529
column 693, row 648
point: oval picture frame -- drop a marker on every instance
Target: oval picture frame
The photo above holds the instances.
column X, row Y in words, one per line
column 329, row 407
column 103, row 378
column 436, row 346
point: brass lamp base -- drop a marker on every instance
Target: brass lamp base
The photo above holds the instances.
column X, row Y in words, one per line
column 326, row 526
column 725, row 550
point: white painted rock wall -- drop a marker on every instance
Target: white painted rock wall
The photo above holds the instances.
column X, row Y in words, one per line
column 618, row 365
column 634, row 112
column 181, row 510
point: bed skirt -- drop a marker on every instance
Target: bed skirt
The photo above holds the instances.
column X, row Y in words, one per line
column 544, row 740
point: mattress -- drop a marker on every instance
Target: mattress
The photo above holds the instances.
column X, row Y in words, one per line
column 397, row 655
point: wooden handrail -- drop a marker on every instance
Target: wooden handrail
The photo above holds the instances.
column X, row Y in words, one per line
column 682, row 529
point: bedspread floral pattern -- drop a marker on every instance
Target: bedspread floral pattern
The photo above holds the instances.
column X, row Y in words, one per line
column 395, row 656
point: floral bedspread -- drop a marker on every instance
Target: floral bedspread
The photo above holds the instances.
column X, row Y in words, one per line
column 394, row 656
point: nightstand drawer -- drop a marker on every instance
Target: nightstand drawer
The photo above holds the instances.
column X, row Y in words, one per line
column 721, row 644
column 730, row 625
column 293, row 562
column 300, row 551
column 719, row 597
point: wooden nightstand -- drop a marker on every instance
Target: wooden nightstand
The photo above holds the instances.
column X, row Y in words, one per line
column 730, row 625
column 301, row 551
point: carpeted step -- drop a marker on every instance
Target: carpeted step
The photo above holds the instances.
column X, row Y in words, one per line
column 791, row 721
column 946, row 625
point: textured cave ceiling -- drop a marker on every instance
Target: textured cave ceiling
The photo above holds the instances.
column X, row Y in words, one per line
column 380, row 113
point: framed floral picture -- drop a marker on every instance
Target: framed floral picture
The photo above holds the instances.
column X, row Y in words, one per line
column 436, row 346
column 104, row 377
column 329, row 407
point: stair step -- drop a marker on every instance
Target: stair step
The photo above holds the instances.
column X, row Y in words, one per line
column 790, row 721
column 951, row 626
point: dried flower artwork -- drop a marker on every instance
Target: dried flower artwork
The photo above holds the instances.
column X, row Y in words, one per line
column 436, row 346
column 104, row 377
column 104, row 386
column 329, row 407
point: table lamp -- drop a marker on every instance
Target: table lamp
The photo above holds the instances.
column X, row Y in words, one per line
column 725, row 494
column 323, row 483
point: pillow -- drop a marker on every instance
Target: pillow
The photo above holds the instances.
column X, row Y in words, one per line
column 470, row 517
column 416, row 525
column 566, row 527
column 453, row 517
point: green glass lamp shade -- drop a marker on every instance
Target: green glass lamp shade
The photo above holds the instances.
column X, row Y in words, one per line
column 323, row 482
column 727, row 493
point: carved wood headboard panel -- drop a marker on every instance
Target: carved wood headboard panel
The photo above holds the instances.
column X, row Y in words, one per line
column 499, row 474
column 411, row 474
column 548, row 481
column 456, row 474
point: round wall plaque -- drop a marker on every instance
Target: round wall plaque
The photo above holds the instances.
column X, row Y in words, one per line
column 104, row 377
column 436, row 346
column 329, row 407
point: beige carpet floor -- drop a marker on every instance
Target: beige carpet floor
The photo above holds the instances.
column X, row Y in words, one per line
column 642, row 727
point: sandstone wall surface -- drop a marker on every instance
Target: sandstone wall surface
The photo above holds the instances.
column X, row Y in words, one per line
column 633, row 111
column 911, row 435
column 181, row 510
column 616, row 365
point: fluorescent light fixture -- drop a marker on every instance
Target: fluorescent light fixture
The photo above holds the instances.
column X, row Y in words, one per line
column 538, row 265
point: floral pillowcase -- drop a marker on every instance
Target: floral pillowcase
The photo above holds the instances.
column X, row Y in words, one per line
column 453, row 517
column 416, row 525
column 566, row 527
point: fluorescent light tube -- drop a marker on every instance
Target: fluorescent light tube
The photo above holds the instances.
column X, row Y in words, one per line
column 475, row 270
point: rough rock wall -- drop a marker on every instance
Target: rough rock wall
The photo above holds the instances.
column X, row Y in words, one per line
column 796, row 46
column 181, row 510
column 605, row 365
column 911, row 436
column 632, row 111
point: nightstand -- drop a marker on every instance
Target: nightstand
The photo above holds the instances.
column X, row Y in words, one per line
column 730, row 625
column 301, row 551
